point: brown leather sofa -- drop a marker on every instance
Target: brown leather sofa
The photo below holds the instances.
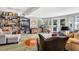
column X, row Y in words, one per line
column 54, row 43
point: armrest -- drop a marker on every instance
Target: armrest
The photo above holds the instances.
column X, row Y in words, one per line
column 73, row 45
column 75, row 41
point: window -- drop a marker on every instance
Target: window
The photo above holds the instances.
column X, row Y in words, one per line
column 77, row 23
column 54, row 25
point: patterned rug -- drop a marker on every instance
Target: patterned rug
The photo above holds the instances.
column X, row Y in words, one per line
column 16, row 47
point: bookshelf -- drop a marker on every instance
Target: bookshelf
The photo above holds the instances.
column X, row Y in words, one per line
column 25, row 25
column 9, row 22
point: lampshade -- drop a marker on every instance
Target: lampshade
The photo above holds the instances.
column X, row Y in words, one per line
column 64, row 28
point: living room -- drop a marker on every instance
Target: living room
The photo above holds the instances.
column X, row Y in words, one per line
column 39, row 28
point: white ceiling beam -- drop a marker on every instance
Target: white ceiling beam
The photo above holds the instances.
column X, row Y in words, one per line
column 30, row 10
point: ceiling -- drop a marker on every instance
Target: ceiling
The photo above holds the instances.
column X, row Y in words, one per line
column 19, row 10
column 41, row 11
column 54, row 11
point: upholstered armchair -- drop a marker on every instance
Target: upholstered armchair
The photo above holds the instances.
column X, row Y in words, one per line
column 73, row 44
column 2, row 39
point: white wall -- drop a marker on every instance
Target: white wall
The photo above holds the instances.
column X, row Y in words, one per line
column 69, row 19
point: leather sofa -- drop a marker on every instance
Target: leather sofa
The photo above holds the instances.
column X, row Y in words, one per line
column 54, row 43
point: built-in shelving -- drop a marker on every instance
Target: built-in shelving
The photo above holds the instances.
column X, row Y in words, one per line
column 25, row 25
column 9, row 21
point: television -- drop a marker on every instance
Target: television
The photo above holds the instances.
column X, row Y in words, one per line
column 65, row 28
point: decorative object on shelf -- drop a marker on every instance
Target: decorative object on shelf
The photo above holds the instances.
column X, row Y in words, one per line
column 9, row 14
column 9, row 22
column 34, row 30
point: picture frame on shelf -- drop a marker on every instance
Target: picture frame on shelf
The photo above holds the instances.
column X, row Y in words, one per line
column 6, row 14
column 10, row 13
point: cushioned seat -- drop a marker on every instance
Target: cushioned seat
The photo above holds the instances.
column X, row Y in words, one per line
column 73, row 43
column 55, row 43
column 2, row 39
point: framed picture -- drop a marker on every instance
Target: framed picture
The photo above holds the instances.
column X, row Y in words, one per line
column 62, row 22
column 10, row 14
column 34, row 23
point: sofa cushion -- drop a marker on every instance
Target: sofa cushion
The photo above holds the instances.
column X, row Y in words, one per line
column 76, row 35
column 46, row 35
